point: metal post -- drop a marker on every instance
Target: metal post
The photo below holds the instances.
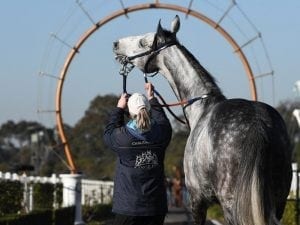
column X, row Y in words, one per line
column 31, row 198
column 297, row 198
column 102, row 195
column 72, row 194
column 296, row 114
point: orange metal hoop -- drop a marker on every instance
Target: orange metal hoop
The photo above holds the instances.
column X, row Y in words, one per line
column 125, row 11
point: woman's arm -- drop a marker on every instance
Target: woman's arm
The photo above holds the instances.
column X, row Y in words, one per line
column 116, row 120
column 157, row 112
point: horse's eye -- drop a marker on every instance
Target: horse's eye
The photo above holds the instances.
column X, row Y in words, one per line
column 142, row 43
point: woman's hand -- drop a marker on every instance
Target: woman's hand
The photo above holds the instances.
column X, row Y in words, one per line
column 149, row 89
column 122, row 103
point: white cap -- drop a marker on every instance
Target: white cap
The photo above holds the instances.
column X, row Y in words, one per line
column 136, row 102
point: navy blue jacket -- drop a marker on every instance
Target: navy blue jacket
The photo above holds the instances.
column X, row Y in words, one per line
column 139, row 184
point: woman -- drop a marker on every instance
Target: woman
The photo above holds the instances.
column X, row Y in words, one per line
column 139, row 187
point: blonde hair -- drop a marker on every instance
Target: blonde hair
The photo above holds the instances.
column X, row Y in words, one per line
column 143, row 120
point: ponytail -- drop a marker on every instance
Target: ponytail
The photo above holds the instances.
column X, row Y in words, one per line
column 143, row 120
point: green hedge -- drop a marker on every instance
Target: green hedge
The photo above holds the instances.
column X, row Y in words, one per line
column 289, row 216
column 46, row 194
column 63, row 216
column 97, row 213
column 43, row 196
column 11, row 197
column 34, row 218
column 58, row 188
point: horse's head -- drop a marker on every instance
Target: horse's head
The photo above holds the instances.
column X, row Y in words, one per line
column 142, row 50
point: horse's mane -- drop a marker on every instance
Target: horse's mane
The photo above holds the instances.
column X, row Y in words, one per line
column 207, row 80
column 215, row 90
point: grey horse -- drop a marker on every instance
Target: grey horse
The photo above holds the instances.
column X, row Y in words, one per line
column 238, row 151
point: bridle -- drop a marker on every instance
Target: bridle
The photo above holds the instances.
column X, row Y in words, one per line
column 127, row 67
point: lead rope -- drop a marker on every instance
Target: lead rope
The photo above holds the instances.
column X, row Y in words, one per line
column 164, row 102
column 126, row 69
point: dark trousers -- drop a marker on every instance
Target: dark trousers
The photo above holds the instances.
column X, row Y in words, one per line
column 138, row 220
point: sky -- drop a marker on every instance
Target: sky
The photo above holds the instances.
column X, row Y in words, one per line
column 36, row 35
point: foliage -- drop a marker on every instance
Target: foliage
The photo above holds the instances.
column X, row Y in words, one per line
column 92, row 156
column 64, row 216
column 9, row 219
column 97, row 223
column 97, row 213
column 17, row 144
column 43, row 195
column 34, row 218
column 175, row 151
column 11, row 197
column 289, row 216
column 215, row 212
column 58, row 188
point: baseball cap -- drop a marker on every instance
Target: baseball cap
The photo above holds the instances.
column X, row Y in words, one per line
column 136, row 102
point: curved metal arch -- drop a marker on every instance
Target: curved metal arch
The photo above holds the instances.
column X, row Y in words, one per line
column 125, row 11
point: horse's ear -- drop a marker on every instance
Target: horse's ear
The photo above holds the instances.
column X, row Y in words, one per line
column 159, row 37
column 175, row 25
column 159, row 29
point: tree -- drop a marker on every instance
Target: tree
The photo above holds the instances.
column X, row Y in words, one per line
column 16, row 147
column 90, row 153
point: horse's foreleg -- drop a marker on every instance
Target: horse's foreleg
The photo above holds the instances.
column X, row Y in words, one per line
column 199, row 209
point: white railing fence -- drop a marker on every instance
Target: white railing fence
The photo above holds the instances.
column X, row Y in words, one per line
column 92, row 191
column 295, row 185
column 96, row 192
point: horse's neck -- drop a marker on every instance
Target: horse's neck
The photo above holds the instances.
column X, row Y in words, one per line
column 188, row 79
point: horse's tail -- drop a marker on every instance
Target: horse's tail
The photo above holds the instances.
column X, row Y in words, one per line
column 253, row 200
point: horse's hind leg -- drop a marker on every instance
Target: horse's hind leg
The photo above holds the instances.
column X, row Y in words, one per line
column 199, row 209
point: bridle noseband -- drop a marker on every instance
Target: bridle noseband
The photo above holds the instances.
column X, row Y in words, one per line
column 152, row 50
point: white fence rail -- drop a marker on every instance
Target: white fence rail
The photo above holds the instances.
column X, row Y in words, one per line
column 96, row 191
column 92, row 191
column 295, row 188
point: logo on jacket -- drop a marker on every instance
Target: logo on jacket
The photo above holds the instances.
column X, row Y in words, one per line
column 146, row 160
